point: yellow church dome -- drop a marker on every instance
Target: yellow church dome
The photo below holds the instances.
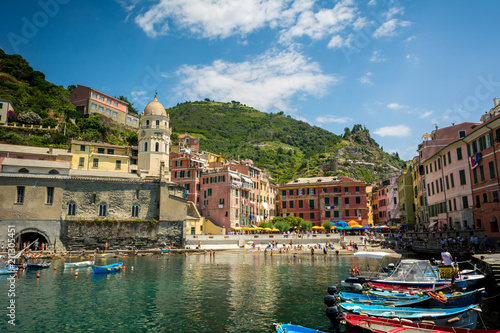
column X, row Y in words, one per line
column 154, row 108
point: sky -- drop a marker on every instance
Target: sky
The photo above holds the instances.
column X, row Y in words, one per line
column 400, row 68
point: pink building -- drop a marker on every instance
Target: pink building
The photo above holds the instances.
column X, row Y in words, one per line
column 186, row 170
column 387, row 202
column 90, row 101
column 190, row 142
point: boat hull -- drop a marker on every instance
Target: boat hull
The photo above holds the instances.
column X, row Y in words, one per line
column 78, row 264
column 410, row 301
column 8, row 270
column 465, row 317
column 289, row 328
column 107, row 269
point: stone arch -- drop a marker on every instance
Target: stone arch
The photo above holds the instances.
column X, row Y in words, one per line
column 29, row 235
column 23, row 170
column 53, row 172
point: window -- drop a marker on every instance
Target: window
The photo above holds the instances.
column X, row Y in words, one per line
column 444, row 161
column 115, row 103
column 395, row 201
column 50, row 195
column 108, row 111
column 492, row 170
column 459, row 153
column 94, row 95
column 358, row 200
column 430, row 167
column 311, row 203
column 495, row 196
column 357, row 188
column 454, row 203
column 485, row 197
column 439, row 164
column 461, row 134
column 115, row 114
column 118, row 164
column 291, row 204
column 81, row 161
column 129, row 119
column 134, row 121
column 236, row 212
column 474, row 175
column 82, row 148
column 346, row 201
column 283, row 204
column 96, row 162
column 72, row 208
column 311, row 216
column 137, row 194
column 157, row 147
column 327, row 201
column 447, row 182
column 301, row 215
column 481, row 173
column 452, row 180
column 20, row 195
column 135, row 210
column 108, row 100
column 449, row 205
column 327, row 214
column 93, row 106
column 449, row 157
column 462, row 177
column 100, row 108
column 346, row 212
column 426, row 169
column 346, row 189
column 301, row 204
column 145, row 146
column 103, row 209
column 441, row 184
column 478, row 203
column 101, row 98
column 335, row 201
column 335, row 213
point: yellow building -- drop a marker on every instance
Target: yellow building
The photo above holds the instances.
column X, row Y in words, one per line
column 100, row 156
column 369, row 204
column 198, row 225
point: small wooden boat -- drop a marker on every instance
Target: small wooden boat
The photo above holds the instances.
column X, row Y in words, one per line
column 465, row 317
column 453, row 300
column 8, row 270
column 364, row 324
column 408, row 301
column 38, row 265
column 409, row 288
column 289, row 328
column 78, row 264
column 107, row 269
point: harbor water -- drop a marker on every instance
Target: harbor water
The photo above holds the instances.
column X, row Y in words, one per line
column 231, row 292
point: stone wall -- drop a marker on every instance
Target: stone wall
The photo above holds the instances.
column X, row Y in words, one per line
column 119, row 197
column 88, row 235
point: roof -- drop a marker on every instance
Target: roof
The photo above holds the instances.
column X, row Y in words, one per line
column 113, row 98
column 103, row 174
column 319, row 180
column 35, row 163
column 100, row 144
column 154, row 108
column 32, row 150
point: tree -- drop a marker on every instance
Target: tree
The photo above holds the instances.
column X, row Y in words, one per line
column 327, row 225
column 29, row 117
column 71, row 87
column 131, row 108
column 306, row 225
column 347, row 132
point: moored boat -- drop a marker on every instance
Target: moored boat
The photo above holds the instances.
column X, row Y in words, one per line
column 107, row 268
column 289, row 328
column 38, row 265
column 78, row 264
column 408, row 301
column 465, row 317
column 8, row 270
column 364, row 324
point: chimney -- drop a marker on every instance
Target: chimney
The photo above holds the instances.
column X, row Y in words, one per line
column 496, row 101
column 51, row 148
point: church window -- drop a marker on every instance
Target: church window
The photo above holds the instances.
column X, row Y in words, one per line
column 135, row 210
column 145, row 146
column 72, row 208
column 157, row 123
column 103, row 209
column 157, row 147
column 147, row 122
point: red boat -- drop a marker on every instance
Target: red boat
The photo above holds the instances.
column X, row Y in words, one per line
column 388, row 287
column 365, row 324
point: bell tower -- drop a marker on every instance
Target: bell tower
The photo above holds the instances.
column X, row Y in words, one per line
column 154, row 139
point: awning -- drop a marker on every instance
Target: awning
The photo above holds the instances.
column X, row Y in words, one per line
column 248, row 180
column 432, row 224
column 235, row 176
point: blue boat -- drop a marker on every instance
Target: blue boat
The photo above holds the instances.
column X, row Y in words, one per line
column 8, row 270
column 289, row 328
column 453, row 300
column 409, row 301
column 107, row 268
column 463, row 317
column 38, row 265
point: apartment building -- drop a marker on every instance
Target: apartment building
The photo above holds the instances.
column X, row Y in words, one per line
column 5, row 106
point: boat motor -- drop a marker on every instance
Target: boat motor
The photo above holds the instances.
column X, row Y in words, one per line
column 330, row 300
column 332, row 290
column 357, row 287
column 333, row 313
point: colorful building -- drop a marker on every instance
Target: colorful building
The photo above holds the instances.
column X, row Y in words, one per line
column 5, row 106
column 324, row 199
column 406, row 194
column 90, row 101
column 100, row 156
column 387, row 199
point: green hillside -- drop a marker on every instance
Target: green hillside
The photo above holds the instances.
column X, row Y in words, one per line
column 288, row 148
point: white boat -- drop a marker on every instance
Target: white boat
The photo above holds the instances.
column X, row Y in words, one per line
column 8, row 270
column 78, row 264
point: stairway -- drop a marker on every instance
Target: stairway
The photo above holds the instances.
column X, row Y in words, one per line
column 495, row 269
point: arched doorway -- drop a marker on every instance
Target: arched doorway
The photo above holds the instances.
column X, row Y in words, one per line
column 28, row 236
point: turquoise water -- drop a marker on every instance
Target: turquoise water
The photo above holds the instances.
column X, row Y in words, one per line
column 235, row 292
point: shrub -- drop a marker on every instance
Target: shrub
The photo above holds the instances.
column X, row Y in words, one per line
column 29, row 117
column 13, row 138
column 12, row 116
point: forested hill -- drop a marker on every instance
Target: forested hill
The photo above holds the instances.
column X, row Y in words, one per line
column 288, row 148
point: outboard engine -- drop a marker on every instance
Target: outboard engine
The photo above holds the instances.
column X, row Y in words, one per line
column 330, row 300
column 433, row 262
column 357, row 287
column 333, row 313
column 332, row 290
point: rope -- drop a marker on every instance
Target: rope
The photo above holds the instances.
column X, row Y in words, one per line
column 482, row 321
column 487, row 298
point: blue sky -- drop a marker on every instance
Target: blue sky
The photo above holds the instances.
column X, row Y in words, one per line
column 398, row 67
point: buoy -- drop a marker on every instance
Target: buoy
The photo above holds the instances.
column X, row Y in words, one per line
column 55, row 268
column 20, row 268
column 124, row 267
column 76, row 273
column 217, row 264
column 71, row 269
column 161, row 267
column 263, row 263
column 37, row 276
column 288, row 261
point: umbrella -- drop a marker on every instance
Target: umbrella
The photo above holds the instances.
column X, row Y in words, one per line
column 250, row 243
column 317, row 227
column 347, row 228
column 357, row 227
column 275, row 229
column 340, row 228
column 365, row 227
column 333, row 224
column 352, row 223
column 341, row 224
column 267, row 229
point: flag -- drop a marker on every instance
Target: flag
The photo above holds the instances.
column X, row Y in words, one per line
column 474, row 160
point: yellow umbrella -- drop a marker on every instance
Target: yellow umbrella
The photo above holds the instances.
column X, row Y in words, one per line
column 275, row 230
column 267, row 229
column 236, row 228
column 317, row 227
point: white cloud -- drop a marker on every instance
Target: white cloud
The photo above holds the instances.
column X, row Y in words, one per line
column 426, row 114
column 211, row 19
column 395, row 106
column 266, row 82
column 333, row 119
column 138, row 93
column 398, row 131
column 413, row 59
column 336, row 42
column 388, row 28
column 377, row 56
column 409, row 39
column 372, row 3
column 366, row 79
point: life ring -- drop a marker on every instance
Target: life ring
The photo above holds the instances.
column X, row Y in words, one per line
column 355, row 272
column 438, row 297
